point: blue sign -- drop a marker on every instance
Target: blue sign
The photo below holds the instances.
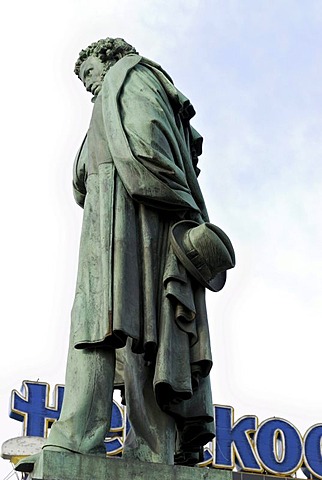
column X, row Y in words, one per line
column 274, row 446
column 31, row 406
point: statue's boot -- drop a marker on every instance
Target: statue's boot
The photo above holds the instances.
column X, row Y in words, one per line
column 191, row 440
column 194, row 436
column 27, row 464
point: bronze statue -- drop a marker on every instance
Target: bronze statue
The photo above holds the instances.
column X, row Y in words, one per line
column 147, row 253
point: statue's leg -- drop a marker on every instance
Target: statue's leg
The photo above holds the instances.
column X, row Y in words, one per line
column 152, row 436
column 87, row 405
column 195, row 425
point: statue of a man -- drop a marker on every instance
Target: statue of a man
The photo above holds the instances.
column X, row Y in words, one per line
column 147, row 253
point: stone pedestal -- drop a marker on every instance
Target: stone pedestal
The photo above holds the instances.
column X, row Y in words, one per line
column 67, row 466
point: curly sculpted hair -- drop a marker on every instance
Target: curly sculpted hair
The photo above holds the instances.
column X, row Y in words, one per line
column 108, row 50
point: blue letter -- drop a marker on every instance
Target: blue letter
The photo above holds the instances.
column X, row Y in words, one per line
column 234, row 440
column 32, row 407
column 279, row 446
column 118, row 431
column 312, row 450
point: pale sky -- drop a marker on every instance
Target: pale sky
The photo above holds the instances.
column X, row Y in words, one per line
column 253, row 70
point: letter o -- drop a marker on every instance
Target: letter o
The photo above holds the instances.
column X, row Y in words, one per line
column 312, row 450
column 266, row 439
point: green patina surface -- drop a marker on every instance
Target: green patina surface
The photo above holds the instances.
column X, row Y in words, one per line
column 147, row 252
column 67, row 466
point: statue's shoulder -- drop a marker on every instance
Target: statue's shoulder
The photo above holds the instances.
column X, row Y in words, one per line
column 118, row 72
column 122, row 67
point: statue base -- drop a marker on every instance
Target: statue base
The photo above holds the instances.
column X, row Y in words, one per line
column 68, row 466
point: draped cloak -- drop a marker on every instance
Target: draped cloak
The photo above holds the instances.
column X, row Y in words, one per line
column 135, row 176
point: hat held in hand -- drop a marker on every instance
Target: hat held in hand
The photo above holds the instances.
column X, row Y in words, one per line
column 204, row 250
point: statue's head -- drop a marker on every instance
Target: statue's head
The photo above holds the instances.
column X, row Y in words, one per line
column 97, row 58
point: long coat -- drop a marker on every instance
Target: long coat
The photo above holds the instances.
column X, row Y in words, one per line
column 135, row 176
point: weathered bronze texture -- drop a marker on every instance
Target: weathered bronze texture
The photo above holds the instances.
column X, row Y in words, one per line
column 138, row 305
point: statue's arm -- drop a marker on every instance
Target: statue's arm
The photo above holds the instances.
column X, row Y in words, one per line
column 157, row 138
column 80, row 174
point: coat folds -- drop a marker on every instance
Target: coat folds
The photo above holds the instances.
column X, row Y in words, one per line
column 135, row 176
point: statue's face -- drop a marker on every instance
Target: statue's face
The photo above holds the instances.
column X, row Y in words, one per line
column 90, row 73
